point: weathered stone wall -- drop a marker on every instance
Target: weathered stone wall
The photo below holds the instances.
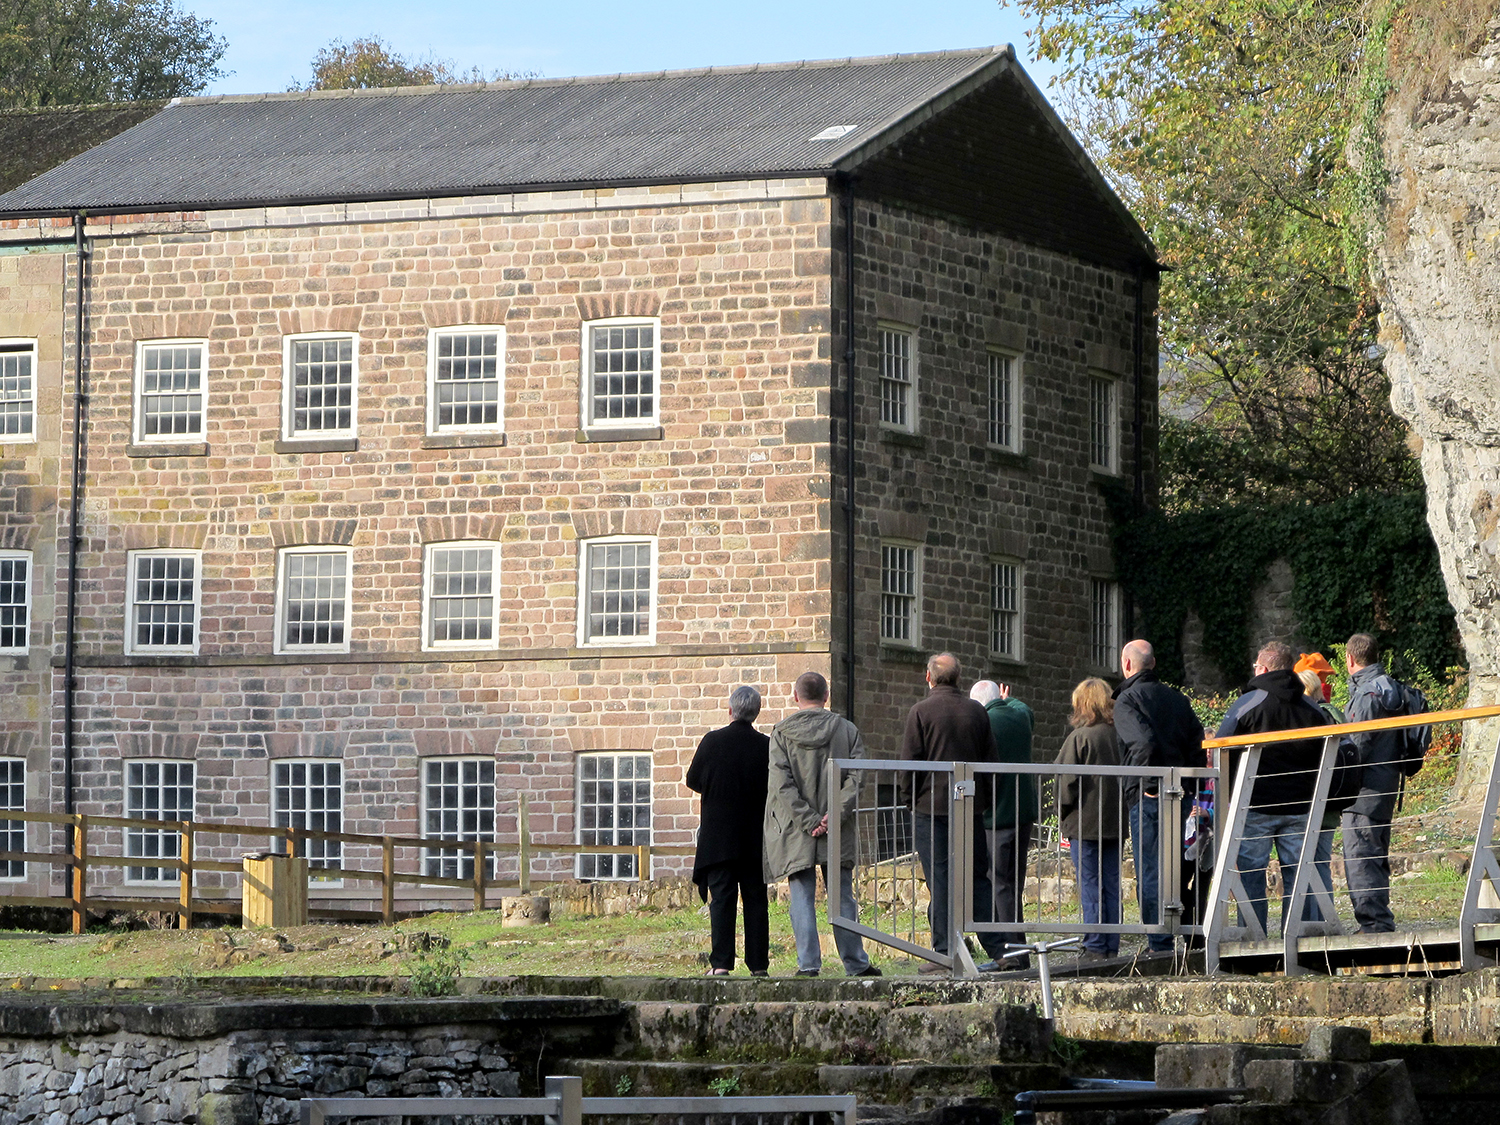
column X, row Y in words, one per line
column 734, row 487
column 34, row 287
column 251, row 1063
column 964, row 292
column 1437, row 261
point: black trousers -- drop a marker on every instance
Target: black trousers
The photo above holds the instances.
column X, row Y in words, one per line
column 742, row 879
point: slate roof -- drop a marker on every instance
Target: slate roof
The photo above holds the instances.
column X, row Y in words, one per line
column 34, row 140
column 723, row 123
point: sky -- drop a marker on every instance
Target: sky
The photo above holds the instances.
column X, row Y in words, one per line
column 272, row 42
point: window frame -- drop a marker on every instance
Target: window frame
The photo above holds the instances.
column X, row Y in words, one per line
column 284, row 553
column 428, row 550
column 1111, row 643
column 1111, row 385
column 17, row 345
column 587, row 420
column 434, row 427
column 883, row 329
column 436, row 861
column 27, row 604
column 132, row 646
column 1013, row 362
column 585, row 592
column 1018, row 656
column 12, row 831
column 288, row 387
column 914, row 620
column 169, row 875
column 331, row 851
column 138, row 417
column 616, row 861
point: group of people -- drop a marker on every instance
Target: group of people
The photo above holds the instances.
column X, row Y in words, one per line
column 766, row 809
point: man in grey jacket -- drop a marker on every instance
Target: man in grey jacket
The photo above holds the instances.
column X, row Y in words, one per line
column 1367, row 822
column 796, row 823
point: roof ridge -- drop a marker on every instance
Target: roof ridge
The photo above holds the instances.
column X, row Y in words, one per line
column 592, row 79
column 79, row 107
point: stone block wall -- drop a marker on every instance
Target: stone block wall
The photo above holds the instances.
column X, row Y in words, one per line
column 965, row 292
column 733, row 486
column 35, row 283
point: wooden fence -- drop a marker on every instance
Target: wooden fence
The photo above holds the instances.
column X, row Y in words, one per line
column 79, row 858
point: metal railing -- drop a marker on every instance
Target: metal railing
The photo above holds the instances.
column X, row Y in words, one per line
column 1311, row 907
column 899, row 845
column 563, row 1103
column 82, row 855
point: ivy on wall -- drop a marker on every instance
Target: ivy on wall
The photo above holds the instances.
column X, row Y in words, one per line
column 1363, row 564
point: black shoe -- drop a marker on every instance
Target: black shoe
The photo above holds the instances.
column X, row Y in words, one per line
column 760, row 972
column 808, row 972
column 868, row 971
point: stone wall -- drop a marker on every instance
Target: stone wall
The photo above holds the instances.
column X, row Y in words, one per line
column 733, row 485
column 965, row 292
column 35, row 283
column 250, row 1063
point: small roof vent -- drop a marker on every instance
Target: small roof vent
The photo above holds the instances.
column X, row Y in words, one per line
column 833, row 132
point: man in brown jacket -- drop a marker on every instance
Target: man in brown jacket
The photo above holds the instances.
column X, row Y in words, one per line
column 947, row 726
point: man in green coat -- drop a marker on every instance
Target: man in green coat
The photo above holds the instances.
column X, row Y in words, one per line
column 796, row 823
column 1011, row 809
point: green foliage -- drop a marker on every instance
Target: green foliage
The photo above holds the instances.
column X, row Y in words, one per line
column 727, row 1085
column 1067, row 1051
column 435, row 972
column 371, row 63
column 1224, row 125
column 624, row 1085
column 77, row 52
column 1362, row 564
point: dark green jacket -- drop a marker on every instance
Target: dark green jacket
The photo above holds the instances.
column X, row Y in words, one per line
column 1014, row 800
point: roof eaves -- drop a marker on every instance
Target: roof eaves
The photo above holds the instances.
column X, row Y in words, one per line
column 149, row 208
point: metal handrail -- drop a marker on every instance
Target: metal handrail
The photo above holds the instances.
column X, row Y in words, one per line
column 1395, row 722
column 564, row 1104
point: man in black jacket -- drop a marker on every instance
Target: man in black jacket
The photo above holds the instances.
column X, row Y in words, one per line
column 947, row 726
column 1275, row 699
column 1156, row 726
column 730, row 770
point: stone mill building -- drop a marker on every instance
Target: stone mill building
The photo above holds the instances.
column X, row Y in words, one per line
column 445, row 444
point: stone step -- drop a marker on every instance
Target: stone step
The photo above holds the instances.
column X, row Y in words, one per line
column 880, row 1032
column 916, row 1087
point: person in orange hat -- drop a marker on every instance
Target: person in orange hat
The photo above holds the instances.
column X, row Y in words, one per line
column 1317, row 663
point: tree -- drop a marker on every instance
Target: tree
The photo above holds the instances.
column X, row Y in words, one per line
column 78, row 52
column 1225, row 124
column 371, row 63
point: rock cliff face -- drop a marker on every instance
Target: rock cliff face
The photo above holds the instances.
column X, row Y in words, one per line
column 1438, row 266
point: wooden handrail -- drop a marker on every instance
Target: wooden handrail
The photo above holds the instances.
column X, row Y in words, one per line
column 1397, row 722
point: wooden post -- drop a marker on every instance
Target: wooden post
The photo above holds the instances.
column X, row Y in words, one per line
column 80, row 873
column 388, row 880
column 293, row 848
column 480, row 850
column 185, row 876
column 523, row 849
column 643, row 863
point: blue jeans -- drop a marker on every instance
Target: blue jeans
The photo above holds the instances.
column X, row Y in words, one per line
column 1096, row 863
column 1145, row 842
column 933, row 851
column 1323, row 861
column 1261, row 831
column 803, row 907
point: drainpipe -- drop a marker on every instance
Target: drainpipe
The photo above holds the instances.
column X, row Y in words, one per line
column 849, row 509
column 75, row 497
column 1139, row 348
